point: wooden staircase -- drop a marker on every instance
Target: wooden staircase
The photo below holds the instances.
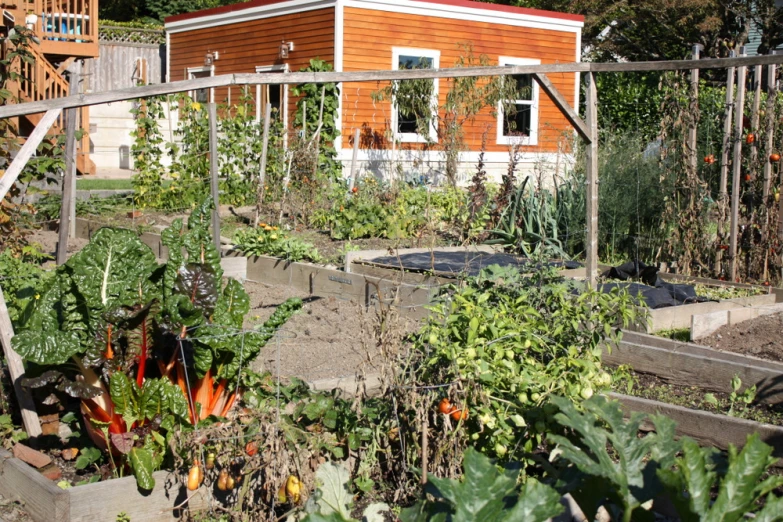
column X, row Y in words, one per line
column 66, row 30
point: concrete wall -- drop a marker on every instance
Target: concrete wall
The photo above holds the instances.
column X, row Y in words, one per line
column 111, row 124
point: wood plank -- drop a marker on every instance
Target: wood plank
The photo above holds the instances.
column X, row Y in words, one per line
column 41, row 499
column 706, row 427
column 122, row 495
column 407, row 74
column 566, row 109
column 697, row 349
column 699, row 369
column 29, row 147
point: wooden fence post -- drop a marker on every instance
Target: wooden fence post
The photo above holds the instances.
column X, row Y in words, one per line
column 769, row 117
column 724, row 164
column 69, row 184
column 261, row 191
column 591, row 113
column 737, row 168
column 213, row 172
column 754, row 112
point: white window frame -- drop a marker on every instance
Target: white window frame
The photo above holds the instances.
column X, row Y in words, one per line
column 202, row 69
column 276, row 68
column 415, row 137
column 533, row 102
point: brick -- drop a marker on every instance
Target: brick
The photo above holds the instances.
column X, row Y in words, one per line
column 33, row 457
column 52, row 472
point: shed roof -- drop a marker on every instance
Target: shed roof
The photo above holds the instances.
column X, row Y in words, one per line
column 500, row 11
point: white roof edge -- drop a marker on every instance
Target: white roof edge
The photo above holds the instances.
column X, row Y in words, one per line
column 402, row 6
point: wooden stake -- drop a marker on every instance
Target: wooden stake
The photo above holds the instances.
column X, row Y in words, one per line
column 736, row 169
column 262, row 174
column 69, row 184
column 16, row 368
column 693, row 153
column 724, row 163
column 213, row 173
column 591, row 113
column 424, row 446
column 72, row 170
column 317, row 136
column 354, row 165
column 770, row 126
column 754, row 112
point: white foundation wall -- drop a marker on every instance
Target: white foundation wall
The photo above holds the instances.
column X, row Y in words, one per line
column 387, row 165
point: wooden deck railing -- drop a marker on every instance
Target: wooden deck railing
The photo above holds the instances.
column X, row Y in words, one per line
column 42, row 81
column 65, row 20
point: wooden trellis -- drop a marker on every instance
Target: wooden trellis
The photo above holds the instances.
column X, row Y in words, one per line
column 587, row 130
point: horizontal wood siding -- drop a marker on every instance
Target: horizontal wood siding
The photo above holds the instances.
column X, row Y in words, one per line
column 243, row 46
column 371, row 35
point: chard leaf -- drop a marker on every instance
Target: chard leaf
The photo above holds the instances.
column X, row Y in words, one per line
column 47, row 347
column 233, row 305
column 141, row 463
column 122, row 442
column 125, row 396
column 198, row 239
column 111, row 268
column 199, row 283
column 161, row 397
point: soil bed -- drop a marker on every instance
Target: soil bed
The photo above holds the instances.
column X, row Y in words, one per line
column 330, row 337
column 760, row 337
column 651, row 387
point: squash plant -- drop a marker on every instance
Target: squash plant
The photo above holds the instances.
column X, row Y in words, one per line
column 145, row 347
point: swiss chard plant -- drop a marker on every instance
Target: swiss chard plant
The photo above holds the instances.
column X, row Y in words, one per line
column 145, row 347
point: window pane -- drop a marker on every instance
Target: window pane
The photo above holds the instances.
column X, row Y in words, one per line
column 518, row 124
column 524, row 86
column 415, row 62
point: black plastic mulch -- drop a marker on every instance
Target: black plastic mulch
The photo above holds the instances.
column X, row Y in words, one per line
column 656, row 293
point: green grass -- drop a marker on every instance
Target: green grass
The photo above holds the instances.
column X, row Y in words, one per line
column 108, row 184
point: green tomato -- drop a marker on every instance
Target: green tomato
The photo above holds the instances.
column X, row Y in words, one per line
column 510, row 355
column 586, row 392
column 523, row 398
column 470, row 353
column 433, row 338
column 474, row 436
column 535, row 397
column 500, row 449
column 527, row 343
column 603, row 380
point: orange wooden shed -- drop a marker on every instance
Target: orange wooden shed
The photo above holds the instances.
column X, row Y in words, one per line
column 360, row 35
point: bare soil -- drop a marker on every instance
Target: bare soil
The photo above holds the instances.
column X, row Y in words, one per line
column 760, row 337
column 47, row 239
column 330, row 337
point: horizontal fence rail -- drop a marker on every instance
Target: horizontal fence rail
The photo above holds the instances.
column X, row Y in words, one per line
column 384, row 75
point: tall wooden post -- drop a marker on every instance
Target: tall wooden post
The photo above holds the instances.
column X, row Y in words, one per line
column 213, row 172
column 260, row 192
column 591, row 113
column 723, row 195
column 693, row 153
column 754, row 111
column 737, row 168
column 769, row 125
column 69, row 184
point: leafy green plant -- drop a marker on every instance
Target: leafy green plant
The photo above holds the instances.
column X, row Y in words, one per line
column 9, row 433
column 20, row 276
column 271, row 241
column 513, row 340
column 745, row 397
column 111, row 309
column 741, row 487
column 332, row 499
column 617, row 467
column 486, row 494
column 147, row 152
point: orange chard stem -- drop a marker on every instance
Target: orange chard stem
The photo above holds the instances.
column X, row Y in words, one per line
column 109, row 353
column 229, row 404
column 143, row 355
column 217, row 395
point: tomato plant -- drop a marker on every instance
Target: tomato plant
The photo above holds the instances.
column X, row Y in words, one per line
column 511, row 340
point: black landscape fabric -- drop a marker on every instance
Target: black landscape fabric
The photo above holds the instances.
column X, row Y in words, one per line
column 459, row 263
column 656, row 292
